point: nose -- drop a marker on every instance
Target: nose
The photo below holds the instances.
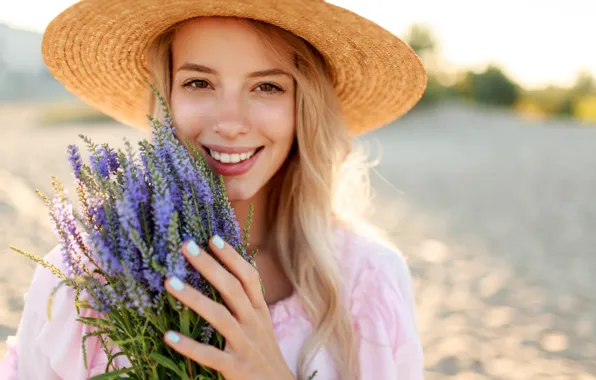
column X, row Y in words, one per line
column 231, row 121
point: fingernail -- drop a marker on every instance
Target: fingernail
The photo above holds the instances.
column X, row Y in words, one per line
column 217, row 241
column 176, row 284
column 193, row 248
column 172, row 337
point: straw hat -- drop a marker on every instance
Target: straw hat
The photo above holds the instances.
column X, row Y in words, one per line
column 95, row 48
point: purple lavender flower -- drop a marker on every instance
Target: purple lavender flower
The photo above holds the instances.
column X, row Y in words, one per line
column 100, row 163
column 206, row 333
column 106, row 256
column 226, row 224
column 194, row 187
column 74, row 158
column 137, row 212
column 97, row 211
column 165, row 155
column 103, row 298
column 130, row 208
column 144, row 152
column 162, row 208
column 65, row 226
column 97, row 160
column 175, row 263
column 111, row 158
column 135, row 177
column 138, row 297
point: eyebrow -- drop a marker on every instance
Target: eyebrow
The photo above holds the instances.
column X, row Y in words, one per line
column 204, row 69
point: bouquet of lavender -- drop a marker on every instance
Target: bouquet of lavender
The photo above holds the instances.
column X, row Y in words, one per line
column 135, row 213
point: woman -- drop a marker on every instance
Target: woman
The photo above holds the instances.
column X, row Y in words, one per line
column 271, row 93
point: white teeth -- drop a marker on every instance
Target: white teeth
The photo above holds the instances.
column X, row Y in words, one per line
column 214, row 154
column 232, row 158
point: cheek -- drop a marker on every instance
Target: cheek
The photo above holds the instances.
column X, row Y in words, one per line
column 275, row 121
column 190, row 116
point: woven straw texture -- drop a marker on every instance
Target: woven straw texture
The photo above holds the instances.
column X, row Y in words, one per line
column 96, row 49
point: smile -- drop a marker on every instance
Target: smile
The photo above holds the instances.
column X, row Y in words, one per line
column 232, row 161
column 232, row 158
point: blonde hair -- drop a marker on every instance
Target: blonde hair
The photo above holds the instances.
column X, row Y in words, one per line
column 322, row 178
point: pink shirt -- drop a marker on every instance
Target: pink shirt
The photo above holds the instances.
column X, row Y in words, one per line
column 381, row 305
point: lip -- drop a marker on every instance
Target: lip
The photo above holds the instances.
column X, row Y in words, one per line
column 229, row 169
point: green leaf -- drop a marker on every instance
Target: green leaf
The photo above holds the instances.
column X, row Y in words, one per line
column 82, row 304
column 138, row 339
column 95, row 322
column 52, row 294
column 88, row 335
column 112, row 358
column 111, row 375
column 125, row 317
column 197, row 324
column 169, row 363
column 185, row 321
column 174, row 303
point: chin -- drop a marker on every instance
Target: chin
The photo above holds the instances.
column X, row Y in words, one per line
column 238, row 193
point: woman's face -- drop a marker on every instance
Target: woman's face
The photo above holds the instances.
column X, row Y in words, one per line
column 232, row 99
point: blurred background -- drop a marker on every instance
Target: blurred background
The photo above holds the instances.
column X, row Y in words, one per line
column 487, row 186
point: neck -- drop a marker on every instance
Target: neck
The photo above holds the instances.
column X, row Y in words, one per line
column 258, row 226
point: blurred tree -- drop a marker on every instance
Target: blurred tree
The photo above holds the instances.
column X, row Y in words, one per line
column 494, row 87
column 543, row 102
column 585, row 86
column 422, row 40
column 463, row 86
column 585, row 109
column 582, row 97
column 490, row 87
column 566, row 106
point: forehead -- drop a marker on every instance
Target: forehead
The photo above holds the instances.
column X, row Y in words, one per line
column 225, row 41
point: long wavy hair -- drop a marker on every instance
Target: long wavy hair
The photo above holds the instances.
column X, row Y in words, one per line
column 323, row 184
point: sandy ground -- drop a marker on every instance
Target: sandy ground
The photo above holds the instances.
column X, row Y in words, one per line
column 495, row 215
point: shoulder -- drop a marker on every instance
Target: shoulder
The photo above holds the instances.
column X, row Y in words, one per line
column 363, row 257
column 374, row 272
column 381, row 303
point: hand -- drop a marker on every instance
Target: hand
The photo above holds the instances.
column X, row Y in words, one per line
column 251, row 351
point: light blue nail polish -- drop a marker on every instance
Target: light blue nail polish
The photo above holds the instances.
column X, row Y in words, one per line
column 193, row 248
column 218, row 242
column 172, row 337
column 176, row 284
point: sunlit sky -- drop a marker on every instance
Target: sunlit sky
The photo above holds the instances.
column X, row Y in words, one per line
column 536, row 41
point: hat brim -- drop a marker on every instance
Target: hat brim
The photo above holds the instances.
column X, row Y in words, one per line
column 96, row 49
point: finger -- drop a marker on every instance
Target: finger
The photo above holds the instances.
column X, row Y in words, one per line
column 242, row 269
column 204, row 354
column 213, row 312
column 226, row 283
